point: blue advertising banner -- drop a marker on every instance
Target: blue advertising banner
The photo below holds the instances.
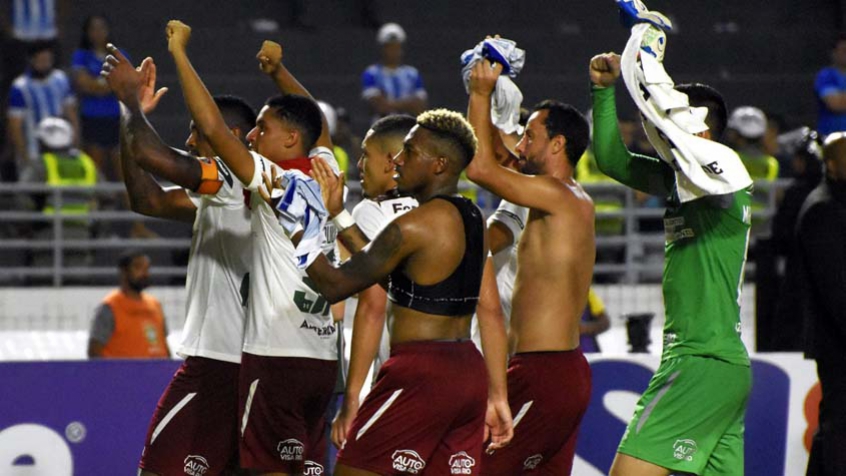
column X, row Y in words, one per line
column 90, row 418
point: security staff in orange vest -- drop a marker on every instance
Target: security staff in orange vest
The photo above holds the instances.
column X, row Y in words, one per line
column 129, row 323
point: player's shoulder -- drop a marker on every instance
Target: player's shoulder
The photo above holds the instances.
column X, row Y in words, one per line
column 367, row 207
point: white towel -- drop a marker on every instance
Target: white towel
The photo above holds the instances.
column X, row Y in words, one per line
column 301, row 207
column 703, row 167
column 507, row 98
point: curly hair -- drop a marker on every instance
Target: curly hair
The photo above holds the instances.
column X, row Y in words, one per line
column 453, row 131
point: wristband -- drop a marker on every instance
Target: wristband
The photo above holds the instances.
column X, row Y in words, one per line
column 343, row 220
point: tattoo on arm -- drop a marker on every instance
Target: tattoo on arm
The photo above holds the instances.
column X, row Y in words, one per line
column 155, row 156
column 353, row 239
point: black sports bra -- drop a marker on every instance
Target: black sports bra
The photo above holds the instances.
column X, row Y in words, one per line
column 458, row 294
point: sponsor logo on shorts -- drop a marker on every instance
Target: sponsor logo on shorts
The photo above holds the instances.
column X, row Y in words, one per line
column 196, row 465
column 532, row 462
column 312, row 469
column 408, row 461
column 290, row 450
column 684, row 449
column 461, row 463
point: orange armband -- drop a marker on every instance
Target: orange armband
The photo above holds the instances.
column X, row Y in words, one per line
column 210, row 181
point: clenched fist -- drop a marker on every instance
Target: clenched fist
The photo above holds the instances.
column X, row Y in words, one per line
column 270, row 57
column 178, row 35
column 605, row 69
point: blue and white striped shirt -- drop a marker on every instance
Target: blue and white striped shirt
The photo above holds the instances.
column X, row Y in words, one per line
column 34, row 19
column 34, row 99
column 399, row 83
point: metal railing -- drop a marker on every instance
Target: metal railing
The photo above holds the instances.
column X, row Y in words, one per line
column 640, row 251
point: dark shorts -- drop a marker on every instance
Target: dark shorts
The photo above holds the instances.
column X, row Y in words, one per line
column 100, row 131
column 549, row 393
column 195, row 425
column 425, row 415
column 283, row 408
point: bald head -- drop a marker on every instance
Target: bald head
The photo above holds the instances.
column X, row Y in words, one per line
column 834, row 155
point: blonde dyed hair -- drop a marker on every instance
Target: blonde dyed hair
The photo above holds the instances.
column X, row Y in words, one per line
column 452, row 128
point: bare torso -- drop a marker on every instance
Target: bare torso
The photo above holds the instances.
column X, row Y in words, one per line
column 555, row 260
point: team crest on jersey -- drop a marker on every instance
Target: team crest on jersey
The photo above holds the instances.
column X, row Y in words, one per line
column 196, row 465
column 290, row 450
column 461, row 463
column 684, row 449
column 312, row 469
column 408, row 461
column 533, row 461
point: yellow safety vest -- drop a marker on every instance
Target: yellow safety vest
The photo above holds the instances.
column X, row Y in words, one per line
column 62, row 171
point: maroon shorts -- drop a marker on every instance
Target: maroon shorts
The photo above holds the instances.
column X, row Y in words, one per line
column 195, row 426
column 425, row 415
column 283, row 407
column 548, row 393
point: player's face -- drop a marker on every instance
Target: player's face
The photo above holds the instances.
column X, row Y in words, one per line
column 412, row 164
column 375, row 167
column 138, row 273
column 269, row 135
column 838, row 55
column 197, row 144
column 98, row 32
column 533, row 146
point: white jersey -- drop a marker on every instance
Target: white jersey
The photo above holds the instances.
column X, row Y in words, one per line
column 287, row 316
column 514, row 217
column 372, row 216
column 218, row 267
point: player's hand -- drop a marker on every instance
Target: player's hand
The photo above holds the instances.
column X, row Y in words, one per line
column 343, row 421
column 123, row 79
column 272, row 183
column 499, row 427
column 605, row 69
column 147, row 94
column 178, row 35
column 483, row 77
column 270, row 57
column 331, row 186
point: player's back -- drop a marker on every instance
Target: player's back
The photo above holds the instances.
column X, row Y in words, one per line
column 554, row 270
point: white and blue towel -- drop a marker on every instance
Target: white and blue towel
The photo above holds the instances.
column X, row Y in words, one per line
column 507, row 98
column 702, row 167
column 301, row 207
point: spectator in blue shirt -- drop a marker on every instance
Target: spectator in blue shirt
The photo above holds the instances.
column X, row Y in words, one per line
column 830, row 88
column 99, row 110
column 42, row 91
column 391, row 87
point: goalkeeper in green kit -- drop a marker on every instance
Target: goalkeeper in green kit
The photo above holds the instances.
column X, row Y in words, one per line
column 691, row 417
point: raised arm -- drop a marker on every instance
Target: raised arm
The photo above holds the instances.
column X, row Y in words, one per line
column 205, row 113
column 270, row 62
column 646, row 174
column 538, row 192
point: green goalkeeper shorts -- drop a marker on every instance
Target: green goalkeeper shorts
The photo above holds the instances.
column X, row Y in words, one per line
column 690, row 419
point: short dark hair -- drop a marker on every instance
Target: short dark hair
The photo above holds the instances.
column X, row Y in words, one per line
column 38, row 47
column 236, row 112
column 301, row 112
column 454, row 135
column 702, row 95
column 565, row 120
column 84, row 42
column 127, row 257
column 393, row 126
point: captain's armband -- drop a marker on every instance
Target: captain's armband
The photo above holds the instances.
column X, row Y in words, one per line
column 210, row 182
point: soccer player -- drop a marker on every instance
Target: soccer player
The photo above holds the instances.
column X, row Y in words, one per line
column 197, row 416
column 427, row 411
column 381, row 204
column 555, row 265
column 289, row 361
column 690, row 419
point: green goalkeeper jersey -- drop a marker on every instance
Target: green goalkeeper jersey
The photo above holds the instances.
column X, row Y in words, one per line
column 705, row 249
